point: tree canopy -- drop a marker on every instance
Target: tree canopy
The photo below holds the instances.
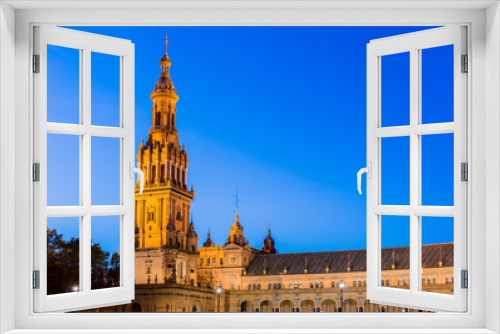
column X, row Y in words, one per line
column 63, row 261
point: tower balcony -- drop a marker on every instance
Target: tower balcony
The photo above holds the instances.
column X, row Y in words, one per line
column 163, row 127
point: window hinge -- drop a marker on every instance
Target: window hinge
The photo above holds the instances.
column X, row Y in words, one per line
column 464, row 167
column 465, row 64
column 36, row 172
column 36, row 279
column 36, row 63
column 465, row 279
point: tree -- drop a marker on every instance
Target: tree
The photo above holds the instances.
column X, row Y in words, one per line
column 63, row 262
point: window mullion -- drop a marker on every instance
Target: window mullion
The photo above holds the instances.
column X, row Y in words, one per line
column 85, row 162
column 414, row 169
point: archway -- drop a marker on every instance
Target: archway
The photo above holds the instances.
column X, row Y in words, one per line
column 136, row 307
column 196, row 307
column 307, row 306
column 266, row 306
column 286, row 306
column 350, row 305
column 328, row 305
column 247, row 306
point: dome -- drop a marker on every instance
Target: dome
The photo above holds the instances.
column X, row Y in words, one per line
column 191, row 231
column 164, row 84
column 208, row 242
column 237, row 225
column 268, row 244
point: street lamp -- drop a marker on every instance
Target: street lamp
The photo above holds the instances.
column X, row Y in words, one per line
column 218, row 292
column 341, row 286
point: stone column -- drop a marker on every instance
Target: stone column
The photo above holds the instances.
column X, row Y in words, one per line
column 158, row 172
column 148, row 172
column 166, row 170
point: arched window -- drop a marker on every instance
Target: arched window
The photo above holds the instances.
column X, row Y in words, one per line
column 249, row 286
column 258, row 286
column 201, row 262
column 208, row 261
column 382, row 283
column 364, row 283
column 434, row 280
column 360, row 284
column 270, row 286
column 333, row 284
column 213, row 260
column 221, row 262
column 158, row 119
column 387, row 282
column 423, row 280
column 429, row 280
column 162, row 172
column 354, row 284
column 153, row 174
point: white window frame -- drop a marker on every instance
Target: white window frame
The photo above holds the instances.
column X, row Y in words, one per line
column 483, row 20
column 85, row 43
column 413, row 43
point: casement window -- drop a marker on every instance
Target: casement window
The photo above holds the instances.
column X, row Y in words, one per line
column 416, row 132
column 82, row 132
column 479, row 243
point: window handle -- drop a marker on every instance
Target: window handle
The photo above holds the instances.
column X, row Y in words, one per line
column 368, row 171
column 134, row 170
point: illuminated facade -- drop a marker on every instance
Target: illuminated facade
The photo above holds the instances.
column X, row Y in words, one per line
column 173, row 274
column 166, row 242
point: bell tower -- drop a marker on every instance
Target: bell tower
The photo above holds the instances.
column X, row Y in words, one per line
column 163, row 210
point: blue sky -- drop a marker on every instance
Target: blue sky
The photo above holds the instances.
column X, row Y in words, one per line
column 277, row 112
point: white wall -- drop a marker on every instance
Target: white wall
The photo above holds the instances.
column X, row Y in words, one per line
column 492, row 164
column 7, row 157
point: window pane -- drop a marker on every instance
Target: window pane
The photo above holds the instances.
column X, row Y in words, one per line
column 395, row 171
column 437, row 169
column 105, row 171
column 437, row 84
column 63, row 85
column 63, row 170
column 437, row 254
column 105, row 90
column 395, row 90
column 105, row 251
column 63, row 255
column 395, row 260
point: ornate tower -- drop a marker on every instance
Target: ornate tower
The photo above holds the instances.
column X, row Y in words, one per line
column 163, row 210
column 268, row 247
column 236, row 233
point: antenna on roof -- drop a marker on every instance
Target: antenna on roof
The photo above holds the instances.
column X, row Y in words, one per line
column 237, row 200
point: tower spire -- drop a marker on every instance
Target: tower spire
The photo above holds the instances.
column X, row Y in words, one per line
column 166, row 40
